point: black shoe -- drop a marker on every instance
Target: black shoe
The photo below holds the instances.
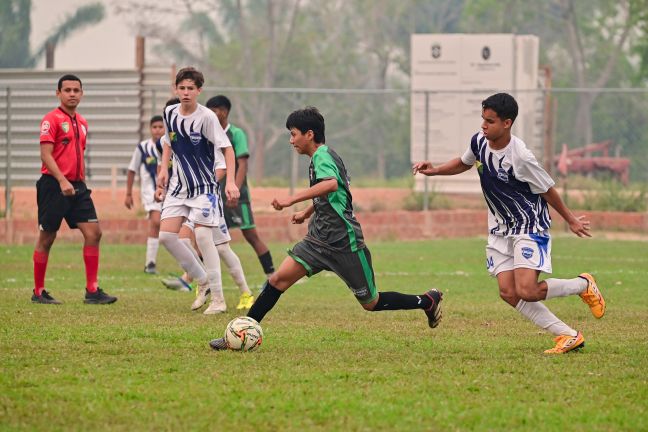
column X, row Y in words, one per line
column 98, row 297
column 44, row 298
column 150, row 268
column 433, row 313
column 218, row 344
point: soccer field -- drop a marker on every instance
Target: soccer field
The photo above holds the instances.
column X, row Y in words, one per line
column 325, row 364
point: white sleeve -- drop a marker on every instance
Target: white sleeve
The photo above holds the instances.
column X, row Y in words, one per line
column 136, row 160
column 214, row 131
column 468, row 157
column 529, row 170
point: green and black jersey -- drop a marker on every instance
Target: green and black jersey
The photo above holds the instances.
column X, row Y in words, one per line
column 333, row 225
column 240, row 144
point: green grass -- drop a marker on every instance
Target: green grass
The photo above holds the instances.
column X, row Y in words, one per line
column 325, row 364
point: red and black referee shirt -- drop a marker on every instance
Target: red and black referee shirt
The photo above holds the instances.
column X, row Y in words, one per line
column 68, row 135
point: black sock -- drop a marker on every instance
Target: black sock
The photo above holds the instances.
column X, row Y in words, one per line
column 390, row 300
column 266, row 301
column 266, row 263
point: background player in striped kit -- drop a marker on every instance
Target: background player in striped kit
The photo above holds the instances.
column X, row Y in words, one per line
column 518, row 191
column 145, row 162
column 240, row 215
column 194, row 137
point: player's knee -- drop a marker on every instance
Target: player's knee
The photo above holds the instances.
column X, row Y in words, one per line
column 45, row 241
column 509, row 297
column 526, row 291
column 94, row 236
column 166, row 238
column 370, row 306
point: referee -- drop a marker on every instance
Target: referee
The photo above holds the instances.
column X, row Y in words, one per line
column 61, row 192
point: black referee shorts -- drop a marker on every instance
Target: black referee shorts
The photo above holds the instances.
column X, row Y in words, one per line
column 53, row 206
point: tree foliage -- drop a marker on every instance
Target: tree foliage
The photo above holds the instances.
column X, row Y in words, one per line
column 15, row 28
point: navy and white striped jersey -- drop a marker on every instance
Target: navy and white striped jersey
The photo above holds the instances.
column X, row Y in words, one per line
column 196, row 141
column 144, row 162
column 512, row 181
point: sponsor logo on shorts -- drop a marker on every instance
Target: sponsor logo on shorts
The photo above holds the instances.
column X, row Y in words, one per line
column 205, row 212
column 40, row 227
column 45, row 127
column 237, row 220
column 527, row 252
column 195, row 137
column 360, row 292
column 223, row 228
column 65, row 126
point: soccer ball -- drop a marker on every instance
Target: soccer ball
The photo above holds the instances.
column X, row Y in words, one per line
column 243, row 334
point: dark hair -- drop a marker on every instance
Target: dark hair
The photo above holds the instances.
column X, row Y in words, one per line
column 68, row 77
column 155, row 118
column 307, row 119
column 190, row 73
column 503, row 104
column 172, row 101
column 219, row 101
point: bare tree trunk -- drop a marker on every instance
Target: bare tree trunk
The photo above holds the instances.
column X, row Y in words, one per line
column 50, row 48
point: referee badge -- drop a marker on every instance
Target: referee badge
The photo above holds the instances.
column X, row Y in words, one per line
column 65, row 126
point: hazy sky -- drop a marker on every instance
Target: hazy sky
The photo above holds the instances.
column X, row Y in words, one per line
column 107, row 45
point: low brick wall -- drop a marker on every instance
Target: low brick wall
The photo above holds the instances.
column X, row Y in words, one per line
column 384, row 225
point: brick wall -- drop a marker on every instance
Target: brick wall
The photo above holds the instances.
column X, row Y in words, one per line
column 384, row 225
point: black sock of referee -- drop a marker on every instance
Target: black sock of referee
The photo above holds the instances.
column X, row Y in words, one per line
column 390, row 300
column 266, row 263
column 266, row 301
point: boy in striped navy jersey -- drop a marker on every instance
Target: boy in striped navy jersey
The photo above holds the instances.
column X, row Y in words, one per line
column 145, row 162
column 334, row 241
column 518, row 191
column 199, row 147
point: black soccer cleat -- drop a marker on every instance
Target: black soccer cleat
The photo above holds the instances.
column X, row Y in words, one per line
column 44, row 298
column 150, row 268
column 98, row 297
column 434, row 313
column 218, row 344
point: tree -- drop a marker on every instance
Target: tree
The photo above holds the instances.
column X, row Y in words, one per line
column 81, row 18
column 15, row 28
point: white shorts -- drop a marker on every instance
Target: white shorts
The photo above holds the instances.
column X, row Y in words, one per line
column 204, row 209
column 220, row 233
column 531, row 251
column 149, row 203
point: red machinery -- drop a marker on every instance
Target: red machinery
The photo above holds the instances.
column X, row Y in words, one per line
column 581, row 161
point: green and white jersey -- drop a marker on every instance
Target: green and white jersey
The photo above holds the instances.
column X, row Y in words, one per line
column 239, row 141
column 333, row 225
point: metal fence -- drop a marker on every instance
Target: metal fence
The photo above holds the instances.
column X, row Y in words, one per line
column 369, row 129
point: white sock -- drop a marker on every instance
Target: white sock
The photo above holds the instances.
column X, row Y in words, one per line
column 152, row 244
column 183, row 256
column 233, row 264
column 565, row 287
column 211, row 260
column 541, row 316
column 190, row 246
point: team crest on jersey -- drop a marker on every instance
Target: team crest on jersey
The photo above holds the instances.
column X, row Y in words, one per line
column 205, row 212
column 527, row 252
column 45, row 127
column 65, row 126
column 195, row 137
column 172, row 136
column 151, row 160
column 502, row 175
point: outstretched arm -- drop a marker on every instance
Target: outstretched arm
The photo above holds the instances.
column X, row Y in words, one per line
column 322, row 188
column 578, row 225
column 452, row 167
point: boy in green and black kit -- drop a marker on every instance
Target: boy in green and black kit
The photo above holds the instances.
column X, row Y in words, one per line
column 334, row 241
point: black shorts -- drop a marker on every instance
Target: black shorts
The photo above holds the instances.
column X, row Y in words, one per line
column 53, row 206
column 354, row 268
column 240, row 216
